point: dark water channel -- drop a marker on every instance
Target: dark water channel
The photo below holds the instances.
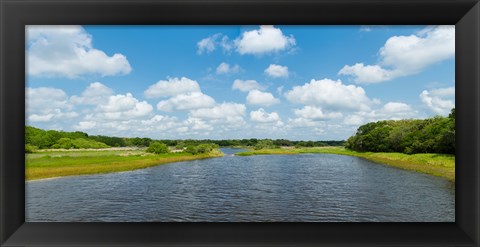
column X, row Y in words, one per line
column 307, row 187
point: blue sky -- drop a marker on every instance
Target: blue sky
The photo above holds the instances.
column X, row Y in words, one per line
column 225, row 82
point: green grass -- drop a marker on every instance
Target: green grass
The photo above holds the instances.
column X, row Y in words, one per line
column 68, row 163
column 440, row 165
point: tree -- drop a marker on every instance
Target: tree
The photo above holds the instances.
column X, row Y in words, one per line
column 191, row 149
column 452, row 113
column 431, row 135
column 264, row 144
column 65, row 143
column 30, row 148
column 157, row 148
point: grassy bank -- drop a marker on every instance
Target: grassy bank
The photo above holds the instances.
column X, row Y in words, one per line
column 434, row 164
column 59, row 163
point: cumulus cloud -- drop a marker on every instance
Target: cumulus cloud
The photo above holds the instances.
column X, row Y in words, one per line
column 85, row 125
column 157, row 126
column 172, row 87
column 44, row 104
column 208, row 44
column 332, row 95
column 246, row 86
column 440, row 100
column 219, row 111
column 266, row 39
column 257, row 97
column 302, row 122
column 389, row 111
column 186, row 101
column 262, row 116
column 315, row 113
column 406, row 55
column 368, row 73
column 95, row 93
column 196, row 124
column 225, row 68
column 123, row 107
column 67, row 51
column 275, row 70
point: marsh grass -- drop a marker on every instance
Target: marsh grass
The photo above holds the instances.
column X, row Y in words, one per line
column 68, row 163
column 434, row 164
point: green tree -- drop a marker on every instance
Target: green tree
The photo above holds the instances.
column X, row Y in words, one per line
column 191, row 149
column 29, row 148
column 157, row 148
column 431, row 135
column 264, row 144
column 64, row 143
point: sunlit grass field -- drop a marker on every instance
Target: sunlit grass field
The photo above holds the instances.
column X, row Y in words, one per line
column 49, row 164
column 441, row 165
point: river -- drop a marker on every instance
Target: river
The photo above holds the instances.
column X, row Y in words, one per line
column 290, row 188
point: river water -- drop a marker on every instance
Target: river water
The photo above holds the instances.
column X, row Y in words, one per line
column 290, row 188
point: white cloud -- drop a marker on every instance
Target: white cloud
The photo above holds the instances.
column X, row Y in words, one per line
column 262, row 116
column 329, row 94
column 95, row 93
column 246, row 86
column 389, row 111
column 302, row 122
column 172, row 87
column 67, row 51
column 395, row 107
column 315, row 113
column 186, row 101
column 197, row 124
column 123, row 107
column 42, row 98
column 367, row 73
column 355, row 120
column 406, row 55
column 275, row 70
column 267, row 39
column 225, row 68
column 45, row 104
column 256, row 97
column 440, row 100
column 224, row 110
column 182, row 129
column 208, row 44
column 85, row 125
column 226, row 44
column 158, row 120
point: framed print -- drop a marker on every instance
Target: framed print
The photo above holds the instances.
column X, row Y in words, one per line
column 239, row 123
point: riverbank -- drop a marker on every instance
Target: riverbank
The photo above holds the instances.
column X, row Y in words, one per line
column 60, row 163
column 440, row 165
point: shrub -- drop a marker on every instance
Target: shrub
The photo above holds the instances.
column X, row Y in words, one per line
column 157, row 148
column 191, row 149
column 84, row 143
column 30, row 148
column 63, row 143
column 264, row 144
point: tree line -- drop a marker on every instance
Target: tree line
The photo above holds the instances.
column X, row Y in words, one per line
column 36, row 138
column 431, row 135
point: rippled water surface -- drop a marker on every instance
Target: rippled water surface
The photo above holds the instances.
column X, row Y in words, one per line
column 307, row 187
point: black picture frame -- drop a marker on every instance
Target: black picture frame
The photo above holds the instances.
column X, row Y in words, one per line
column 15, row 14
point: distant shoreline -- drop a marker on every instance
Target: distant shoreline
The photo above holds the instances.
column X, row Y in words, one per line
column 61, row 163
column 440, row 165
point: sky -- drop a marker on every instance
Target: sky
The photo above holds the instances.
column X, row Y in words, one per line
column 235, row 82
